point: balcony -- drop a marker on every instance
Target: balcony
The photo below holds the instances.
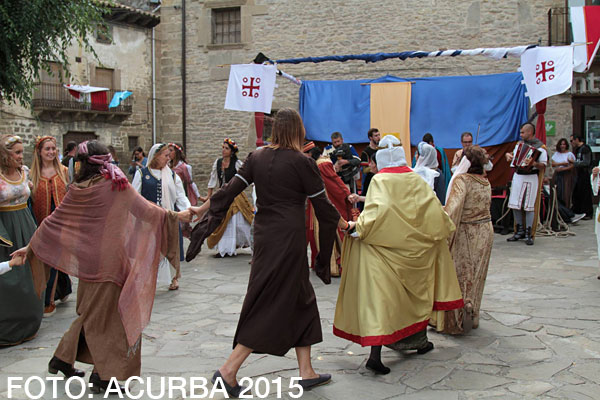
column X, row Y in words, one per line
column 55, row 99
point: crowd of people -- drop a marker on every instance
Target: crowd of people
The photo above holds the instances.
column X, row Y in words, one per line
column 412, row 245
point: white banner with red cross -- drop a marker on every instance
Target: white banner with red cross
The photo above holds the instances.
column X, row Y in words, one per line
column 251, row 87
column 547, row 71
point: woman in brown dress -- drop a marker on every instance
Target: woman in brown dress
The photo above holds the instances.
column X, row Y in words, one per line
column 280, row 308
column 468, row 206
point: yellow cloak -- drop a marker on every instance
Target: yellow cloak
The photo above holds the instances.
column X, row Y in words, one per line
column 399, row 269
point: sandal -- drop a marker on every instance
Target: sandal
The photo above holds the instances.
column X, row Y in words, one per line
column 174, row 285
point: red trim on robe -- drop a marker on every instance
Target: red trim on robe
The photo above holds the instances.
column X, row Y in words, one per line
column 395, row 170
column 383, row 339
column 448, row 305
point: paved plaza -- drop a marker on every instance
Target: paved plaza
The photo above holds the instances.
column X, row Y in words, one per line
column 539, row 335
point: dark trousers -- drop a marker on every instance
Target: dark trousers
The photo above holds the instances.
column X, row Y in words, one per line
column 582, row 193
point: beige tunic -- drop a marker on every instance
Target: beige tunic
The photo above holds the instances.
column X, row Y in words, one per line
column 471, row 244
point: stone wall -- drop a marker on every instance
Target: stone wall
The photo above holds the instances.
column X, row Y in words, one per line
column 288, row 28
column 130, row 55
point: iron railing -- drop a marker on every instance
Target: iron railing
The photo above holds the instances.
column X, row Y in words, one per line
column 54, row 96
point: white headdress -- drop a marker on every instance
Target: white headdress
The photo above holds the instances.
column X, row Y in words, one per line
column 427, row 163
column 391, row 153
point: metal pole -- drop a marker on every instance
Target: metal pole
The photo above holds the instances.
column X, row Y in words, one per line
column 183, row 78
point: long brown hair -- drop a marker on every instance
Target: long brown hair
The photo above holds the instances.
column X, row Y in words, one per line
column 288, row 130
column 36, row 165
column 6, row 159
column 477, row 157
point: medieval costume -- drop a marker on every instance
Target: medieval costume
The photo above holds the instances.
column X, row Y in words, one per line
column 525, row 195
column 426, row 166
column 117, row 270
column 338, row 193
column 468, row 206
column 396, row 268
column 582, row 192
column 184, row 171
column 595, row 186
column 48, row 195
column 234, row 231
column 280, row 309
column 164, row 188
column 21, row 320
column 564, row 178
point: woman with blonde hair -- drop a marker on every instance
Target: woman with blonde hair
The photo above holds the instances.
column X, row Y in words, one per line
column 280, row 309
column 159, row 184
column 22, row 308
column 49, row 178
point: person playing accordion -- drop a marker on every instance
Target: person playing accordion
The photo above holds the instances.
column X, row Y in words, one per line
column 529, row 158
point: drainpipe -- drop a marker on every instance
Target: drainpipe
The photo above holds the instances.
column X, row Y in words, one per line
column 183, row 78
column 154, row 82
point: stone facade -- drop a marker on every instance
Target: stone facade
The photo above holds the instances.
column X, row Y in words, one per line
column 129, row 56
column 288, row 28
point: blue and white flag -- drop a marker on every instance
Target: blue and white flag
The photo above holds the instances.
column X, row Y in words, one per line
column 118, row 98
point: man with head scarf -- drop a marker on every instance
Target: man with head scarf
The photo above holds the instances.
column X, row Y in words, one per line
column 396, row 267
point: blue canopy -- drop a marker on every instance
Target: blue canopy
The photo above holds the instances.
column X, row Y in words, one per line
column 442, row 106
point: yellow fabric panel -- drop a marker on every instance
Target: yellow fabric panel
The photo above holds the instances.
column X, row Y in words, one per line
column 390, row 111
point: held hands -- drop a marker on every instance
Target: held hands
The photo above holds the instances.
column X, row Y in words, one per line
column 353, row 198
column 18, row 257
column 199, row 212
column 185, row 216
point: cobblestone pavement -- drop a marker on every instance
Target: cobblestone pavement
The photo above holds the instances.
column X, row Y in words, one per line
column 539, row 335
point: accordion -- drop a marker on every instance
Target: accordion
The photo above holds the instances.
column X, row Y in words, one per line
column 522, row 156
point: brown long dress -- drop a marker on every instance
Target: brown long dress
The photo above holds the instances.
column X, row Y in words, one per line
column 471, row 244
column 116, row 240
column 280, row 308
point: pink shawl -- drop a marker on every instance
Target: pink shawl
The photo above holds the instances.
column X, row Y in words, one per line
column 103, row 235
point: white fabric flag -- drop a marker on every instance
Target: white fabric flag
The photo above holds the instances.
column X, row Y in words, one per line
column 251, row 87
column 547, row 71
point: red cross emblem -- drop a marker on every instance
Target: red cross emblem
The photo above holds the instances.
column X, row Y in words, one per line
column 251, row 89
column 545, row 67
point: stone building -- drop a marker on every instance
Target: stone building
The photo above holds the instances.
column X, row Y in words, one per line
column 124, row 62
column 222, row 32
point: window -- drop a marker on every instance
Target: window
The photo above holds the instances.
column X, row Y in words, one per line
column 104, row 77
column 104, row 34
column 226, row 25
column 132, row 142
column 56, row 74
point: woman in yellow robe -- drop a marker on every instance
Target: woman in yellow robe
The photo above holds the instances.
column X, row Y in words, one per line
column 396, row 267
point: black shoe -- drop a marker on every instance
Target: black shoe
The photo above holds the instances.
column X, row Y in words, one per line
column 529, row 241
column 519, row 234
column 425, row 349
column 56, row 364
column 233, row 391
column 97, row 385
column 308, row 384
column 377, row 367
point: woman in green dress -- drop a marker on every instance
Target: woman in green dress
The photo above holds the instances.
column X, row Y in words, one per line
column 21, row 306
